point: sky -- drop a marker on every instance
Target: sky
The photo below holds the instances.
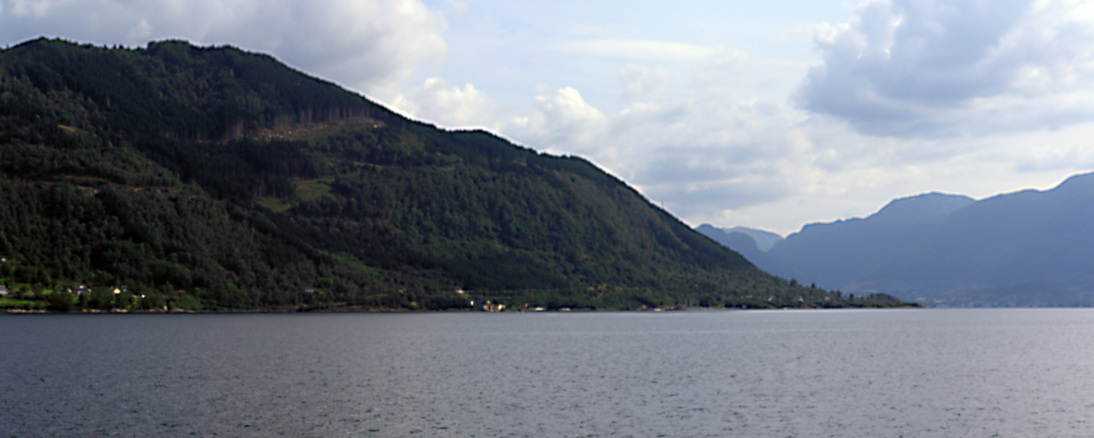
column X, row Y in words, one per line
column 750, row 113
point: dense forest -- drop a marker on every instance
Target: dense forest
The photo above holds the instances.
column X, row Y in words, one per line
column 183, row 177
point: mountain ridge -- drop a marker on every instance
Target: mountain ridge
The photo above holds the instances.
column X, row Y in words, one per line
column 763, row 239
column 953, row 250
column 210, row 177
column 743, row 240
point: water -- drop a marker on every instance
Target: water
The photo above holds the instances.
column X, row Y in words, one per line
column 915, row 373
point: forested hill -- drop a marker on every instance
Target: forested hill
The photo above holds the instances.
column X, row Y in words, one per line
column 219, row 179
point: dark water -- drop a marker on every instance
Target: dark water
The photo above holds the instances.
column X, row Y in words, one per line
column 947, row 373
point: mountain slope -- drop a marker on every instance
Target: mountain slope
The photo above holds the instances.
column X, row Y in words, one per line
column 221, row 177
column 848, row 255
column 1028, row 248
column 743, row 240
column 763, row 240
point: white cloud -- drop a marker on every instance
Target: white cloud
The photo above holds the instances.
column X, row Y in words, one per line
column 141, row 31
column 28, row 8
column 438, row 101
column 694, row 159
column 700, row 159
column 563, row 121
column 371, row 46
column 638, row 49
column 456, row 7
column 913, row 68
column 722, row 67
column 638, row 80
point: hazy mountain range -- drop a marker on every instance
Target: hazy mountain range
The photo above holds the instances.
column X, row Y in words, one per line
column 752, row 243
column 763, row 240
column 1029, row 248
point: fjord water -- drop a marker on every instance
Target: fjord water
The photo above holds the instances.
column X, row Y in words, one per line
column 1017, row 372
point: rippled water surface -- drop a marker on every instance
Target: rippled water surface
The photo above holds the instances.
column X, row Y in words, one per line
column 768, row 373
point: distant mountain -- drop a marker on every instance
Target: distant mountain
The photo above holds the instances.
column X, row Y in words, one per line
column 763, row 239
column 1029, row 248
column 210, row 177
column 845, row 254
column 744, row 241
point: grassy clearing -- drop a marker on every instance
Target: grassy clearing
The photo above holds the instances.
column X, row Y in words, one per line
column 12, row 303
column 355, row 264
column 313, row 189
column 274, row 204
column 317, row 130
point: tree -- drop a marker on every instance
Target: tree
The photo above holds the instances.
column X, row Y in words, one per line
column 59, row 301
column 102, row 298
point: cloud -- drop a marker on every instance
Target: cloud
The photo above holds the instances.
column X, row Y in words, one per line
column 637, row 49
column 438, row 101
column 704, row 200
column 723, row 67
column 921, row 69
column 26, row 8
column 701, row 159
column 456, row 7
column 563, row 120
column 695, row 159
column 369, row 45
column 638, row 80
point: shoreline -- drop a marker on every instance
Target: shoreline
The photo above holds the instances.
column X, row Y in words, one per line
column 399, row 310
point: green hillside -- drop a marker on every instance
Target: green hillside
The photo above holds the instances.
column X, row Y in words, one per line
column 219, row 179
